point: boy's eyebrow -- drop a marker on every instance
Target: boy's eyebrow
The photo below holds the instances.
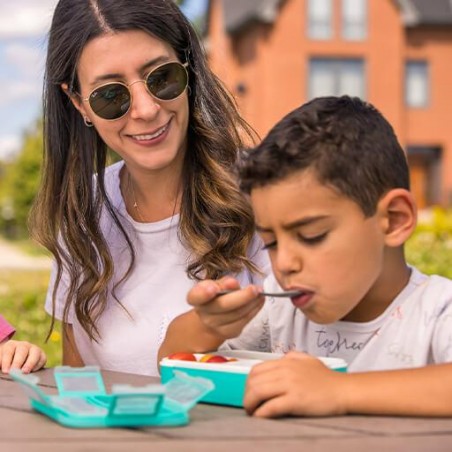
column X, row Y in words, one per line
column 105, row 77
column 295, row 224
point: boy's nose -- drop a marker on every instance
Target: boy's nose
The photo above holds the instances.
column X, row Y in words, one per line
column 144, row 106
column 287, row 260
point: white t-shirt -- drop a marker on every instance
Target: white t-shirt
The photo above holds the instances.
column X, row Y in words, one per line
column 153, row 296
column 415, row 330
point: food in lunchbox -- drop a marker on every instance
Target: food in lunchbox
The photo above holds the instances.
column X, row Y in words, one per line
column 183, row 356
column 206, row 358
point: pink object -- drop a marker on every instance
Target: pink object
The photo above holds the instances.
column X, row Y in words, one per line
column 6, row 330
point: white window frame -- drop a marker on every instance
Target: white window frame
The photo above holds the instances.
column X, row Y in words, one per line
column 417, row 84
column 320, row 19
column 354, row 20
column 337, row 73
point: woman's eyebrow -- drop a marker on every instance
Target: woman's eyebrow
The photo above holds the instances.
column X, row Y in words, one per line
column 116, row 75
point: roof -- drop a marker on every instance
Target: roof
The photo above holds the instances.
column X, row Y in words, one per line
column 426, row 12
column 240, row 13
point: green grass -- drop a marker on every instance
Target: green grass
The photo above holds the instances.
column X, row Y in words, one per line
column 22, row 297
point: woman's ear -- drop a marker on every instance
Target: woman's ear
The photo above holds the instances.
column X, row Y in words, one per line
column 75, row 99
column 398, row 212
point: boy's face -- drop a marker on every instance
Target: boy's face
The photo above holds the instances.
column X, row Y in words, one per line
column 319, row 241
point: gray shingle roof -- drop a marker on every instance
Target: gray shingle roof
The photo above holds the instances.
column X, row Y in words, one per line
column 239, row 13
column 426, row 12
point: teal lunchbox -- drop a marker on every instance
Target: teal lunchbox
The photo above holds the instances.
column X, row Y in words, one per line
column 228, row 377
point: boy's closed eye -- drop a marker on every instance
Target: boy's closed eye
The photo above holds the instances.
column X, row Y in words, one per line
column 312, row 240
column 307, row 240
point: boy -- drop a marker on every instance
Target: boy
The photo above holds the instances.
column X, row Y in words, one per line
column 18, row 354
column 329, row 188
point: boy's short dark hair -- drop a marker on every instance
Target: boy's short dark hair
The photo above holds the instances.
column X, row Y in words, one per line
column 348, row 143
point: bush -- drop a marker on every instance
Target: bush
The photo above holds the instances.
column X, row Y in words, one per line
column 430, row 247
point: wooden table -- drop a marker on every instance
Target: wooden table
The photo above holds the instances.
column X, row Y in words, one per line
column 213, row 428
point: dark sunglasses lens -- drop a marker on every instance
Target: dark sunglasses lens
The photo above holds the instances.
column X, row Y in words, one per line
column 110, row 101
column 168, row 81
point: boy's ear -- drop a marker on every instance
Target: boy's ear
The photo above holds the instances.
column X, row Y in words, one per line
column 398, row 213
column 75, row 99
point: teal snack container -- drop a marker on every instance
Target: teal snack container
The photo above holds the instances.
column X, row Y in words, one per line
column 229, row 378
column 82, row 401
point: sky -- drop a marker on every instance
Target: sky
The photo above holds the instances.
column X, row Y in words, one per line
column 23, row 29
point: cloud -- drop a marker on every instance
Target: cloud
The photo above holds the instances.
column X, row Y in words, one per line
column 25, row 18
column 9, row 146
column 28, row 59
column 16, row 90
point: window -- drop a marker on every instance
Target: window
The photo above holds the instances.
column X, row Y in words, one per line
column 335, row 77
column 320, row 19
column 425, row 174
column 416, row 84
column 354, row 19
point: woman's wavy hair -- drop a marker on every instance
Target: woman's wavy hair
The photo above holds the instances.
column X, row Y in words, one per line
column 216, row 221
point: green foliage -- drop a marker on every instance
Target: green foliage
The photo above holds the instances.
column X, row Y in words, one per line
column 22, row 296
column 430, row 247
column 20, row 183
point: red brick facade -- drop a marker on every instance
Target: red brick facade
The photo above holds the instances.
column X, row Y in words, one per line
column 266, row 66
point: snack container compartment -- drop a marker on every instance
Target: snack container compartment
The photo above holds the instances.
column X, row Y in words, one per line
column 83, row 402
column 229, row 378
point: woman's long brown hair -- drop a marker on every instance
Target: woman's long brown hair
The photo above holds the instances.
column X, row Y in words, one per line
column 216, row 222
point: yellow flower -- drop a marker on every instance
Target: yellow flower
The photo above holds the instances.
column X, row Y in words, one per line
column 55, row 336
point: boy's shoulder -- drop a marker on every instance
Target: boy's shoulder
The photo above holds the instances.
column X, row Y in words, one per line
column 431, row 292
column 433, row 282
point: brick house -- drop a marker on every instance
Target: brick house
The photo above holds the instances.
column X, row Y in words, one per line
column 397, row 54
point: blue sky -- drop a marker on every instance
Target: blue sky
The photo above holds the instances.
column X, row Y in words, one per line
column 23, row 28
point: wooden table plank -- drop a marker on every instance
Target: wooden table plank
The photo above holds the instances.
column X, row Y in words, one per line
column 213, row 428
column 369, row 444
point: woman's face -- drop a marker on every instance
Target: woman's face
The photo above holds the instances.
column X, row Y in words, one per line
column 152, row 135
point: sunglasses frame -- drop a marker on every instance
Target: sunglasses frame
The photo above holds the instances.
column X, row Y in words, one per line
column 144, row 80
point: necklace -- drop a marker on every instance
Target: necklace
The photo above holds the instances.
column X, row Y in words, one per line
column 131, row 190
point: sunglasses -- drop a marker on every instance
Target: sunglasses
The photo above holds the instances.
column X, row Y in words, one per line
column 165, row 82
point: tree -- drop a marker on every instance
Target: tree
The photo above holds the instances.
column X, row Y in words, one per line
column 21, row 181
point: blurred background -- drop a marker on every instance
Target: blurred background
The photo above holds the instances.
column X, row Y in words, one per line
column 272, row 55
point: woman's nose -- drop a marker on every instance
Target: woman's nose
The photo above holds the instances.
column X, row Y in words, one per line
column 144, row 106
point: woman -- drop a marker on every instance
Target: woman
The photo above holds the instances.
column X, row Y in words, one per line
column 130, row 242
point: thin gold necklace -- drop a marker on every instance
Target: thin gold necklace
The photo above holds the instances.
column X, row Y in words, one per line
column 131, row 189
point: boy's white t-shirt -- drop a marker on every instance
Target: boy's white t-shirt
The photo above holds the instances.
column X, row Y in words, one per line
column 153, row 295
column 415, row 330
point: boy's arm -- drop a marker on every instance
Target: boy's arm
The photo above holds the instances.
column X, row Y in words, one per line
column 187, row 333
column 213, row 319
column 424, row 391
column 302, row 385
